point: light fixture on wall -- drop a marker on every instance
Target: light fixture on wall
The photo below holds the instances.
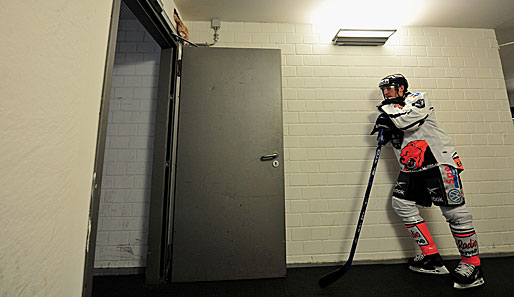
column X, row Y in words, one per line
column 362, row 37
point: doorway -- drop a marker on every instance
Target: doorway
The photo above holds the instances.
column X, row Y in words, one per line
column 121, row 242
column 139, row 91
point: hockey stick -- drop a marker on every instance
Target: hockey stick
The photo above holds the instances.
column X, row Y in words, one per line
column 331, row 277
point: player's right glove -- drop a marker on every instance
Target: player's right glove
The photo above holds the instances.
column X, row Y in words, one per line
column 390, row 132
column 383, row 122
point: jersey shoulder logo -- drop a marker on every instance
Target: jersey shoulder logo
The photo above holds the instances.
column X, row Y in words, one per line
column 420, row 103
column 416, row 99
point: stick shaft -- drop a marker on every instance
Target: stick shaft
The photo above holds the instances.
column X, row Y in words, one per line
column 335, row 275
column 366, row 198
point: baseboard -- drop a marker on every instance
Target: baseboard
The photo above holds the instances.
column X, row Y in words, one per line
column 392, row 261
column 118, row 271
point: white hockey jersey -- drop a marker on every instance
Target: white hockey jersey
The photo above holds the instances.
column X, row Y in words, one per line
column 424, row 145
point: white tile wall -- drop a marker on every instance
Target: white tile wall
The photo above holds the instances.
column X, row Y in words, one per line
column 329, row 95
column 123, row 222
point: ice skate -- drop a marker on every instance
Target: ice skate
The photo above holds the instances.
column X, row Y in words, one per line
column 467, row 276
column 432, row 264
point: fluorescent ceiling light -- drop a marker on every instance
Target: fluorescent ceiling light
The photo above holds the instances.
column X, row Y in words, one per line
column 362, row 37
column 364, row 14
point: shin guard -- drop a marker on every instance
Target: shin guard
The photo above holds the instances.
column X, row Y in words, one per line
column 467, row 243
column 423, row 238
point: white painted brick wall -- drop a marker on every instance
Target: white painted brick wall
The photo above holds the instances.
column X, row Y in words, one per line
column 330, row 94
column 123, row 222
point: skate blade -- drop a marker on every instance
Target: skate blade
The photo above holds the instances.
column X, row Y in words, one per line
column 476, row 283
column 436, row 270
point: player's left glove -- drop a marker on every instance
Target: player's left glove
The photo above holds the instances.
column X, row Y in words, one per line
column 396, row 138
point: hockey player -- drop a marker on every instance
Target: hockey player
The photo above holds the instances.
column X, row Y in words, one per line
column 429, row 175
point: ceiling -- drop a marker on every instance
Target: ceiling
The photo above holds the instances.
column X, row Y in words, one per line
column 491, row 14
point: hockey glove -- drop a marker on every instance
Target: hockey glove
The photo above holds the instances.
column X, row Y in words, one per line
column 396, row 137
column 383, row 122
column 391, row 133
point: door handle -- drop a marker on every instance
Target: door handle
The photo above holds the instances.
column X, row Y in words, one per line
column 269, row 157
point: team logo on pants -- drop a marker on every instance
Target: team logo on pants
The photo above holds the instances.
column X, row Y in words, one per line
column 454, row 196
column 452, row 186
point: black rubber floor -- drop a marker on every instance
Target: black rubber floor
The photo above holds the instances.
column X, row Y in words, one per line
column 362, row 280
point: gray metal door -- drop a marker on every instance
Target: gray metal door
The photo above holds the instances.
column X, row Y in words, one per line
column 229, row 220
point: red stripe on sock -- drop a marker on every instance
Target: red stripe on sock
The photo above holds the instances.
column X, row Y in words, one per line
column 463, row 234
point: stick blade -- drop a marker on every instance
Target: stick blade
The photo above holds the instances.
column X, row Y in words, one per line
column 333, row 276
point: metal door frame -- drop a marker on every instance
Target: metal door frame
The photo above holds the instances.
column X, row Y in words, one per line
column 148, row 12
column 94, row 204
